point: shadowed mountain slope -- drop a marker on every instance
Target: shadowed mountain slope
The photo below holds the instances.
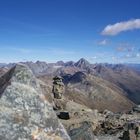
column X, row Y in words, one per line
column 96, row 93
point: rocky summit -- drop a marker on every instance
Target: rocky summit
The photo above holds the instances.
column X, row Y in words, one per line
column 25, row 114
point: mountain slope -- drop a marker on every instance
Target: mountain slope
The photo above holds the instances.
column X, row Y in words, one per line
column 95, row 92
column 123, row 77
column 3, row 70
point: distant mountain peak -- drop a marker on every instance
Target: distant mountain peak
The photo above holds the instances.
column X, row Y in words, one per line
column 60, row 63
column 82, row 63
column 40, row 62
column 69, row 63
column 83, row 60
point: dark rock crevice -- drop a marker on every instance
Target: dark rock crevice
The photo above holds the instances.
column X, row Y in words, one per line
column 5, row 79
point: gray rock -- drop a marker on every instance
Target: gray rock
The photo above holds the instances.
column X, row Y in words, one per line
column 136, row 108
column 129, row 135
column 24, row 112
column 106, row 138
column 82, row 133
column 132, row 131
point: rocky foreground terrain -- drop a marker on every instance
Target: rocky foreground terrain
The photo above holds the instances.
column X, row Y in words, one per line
column 24, row 112
column 40, row 109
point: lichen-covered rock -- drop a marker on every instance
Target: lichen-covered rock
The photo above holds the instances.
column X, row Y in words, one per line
column 84, row 132
column 24, row 112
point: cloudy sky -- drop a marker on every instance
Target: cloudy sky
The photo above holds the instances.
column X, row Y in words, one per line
column 52, row 30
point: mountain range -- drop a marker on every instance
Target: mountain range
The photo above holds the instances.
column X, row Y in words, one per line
column 96, row 86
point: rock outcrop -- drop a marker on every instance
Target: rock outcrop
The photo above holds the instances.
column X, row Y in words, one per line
column 132, row 131
column 25, row 114
column 136, row 108
column 88, row 124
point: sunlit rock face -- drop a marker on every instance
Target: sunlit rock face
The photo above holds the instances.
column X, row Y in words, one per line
column 25, row 114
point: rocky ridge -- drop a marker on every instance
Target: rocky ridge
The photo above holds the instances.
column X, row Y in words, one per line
column 25, row 114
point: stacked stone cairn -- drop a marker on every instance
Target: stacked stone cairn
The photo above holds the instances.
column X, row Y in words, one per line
column 59, row 102
column 58, row 87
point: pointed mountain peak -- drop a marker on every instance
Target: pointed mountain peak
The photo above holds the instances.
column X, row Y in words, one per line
column 82, row 63
column 60, row 63
column 83, row 60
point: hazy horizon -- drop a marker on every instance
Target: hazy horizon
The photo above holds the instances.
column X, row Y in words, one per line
column 91, row 62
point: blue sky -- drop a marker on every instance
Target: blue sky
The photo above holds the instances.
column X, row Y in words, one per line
column 52, row 30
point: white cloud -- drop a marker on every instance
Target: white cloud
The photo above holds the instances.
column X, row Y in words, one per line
column 93, row 58
column 125, row 47
column 103, row 42
column 121, row 27
column 132, row 55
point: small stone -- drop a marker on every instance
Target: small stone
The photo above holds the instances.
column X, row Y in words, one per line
column 64, row 115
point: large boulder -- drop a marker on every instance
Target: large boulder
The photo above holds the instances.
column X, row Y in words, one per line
column 25, row 114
